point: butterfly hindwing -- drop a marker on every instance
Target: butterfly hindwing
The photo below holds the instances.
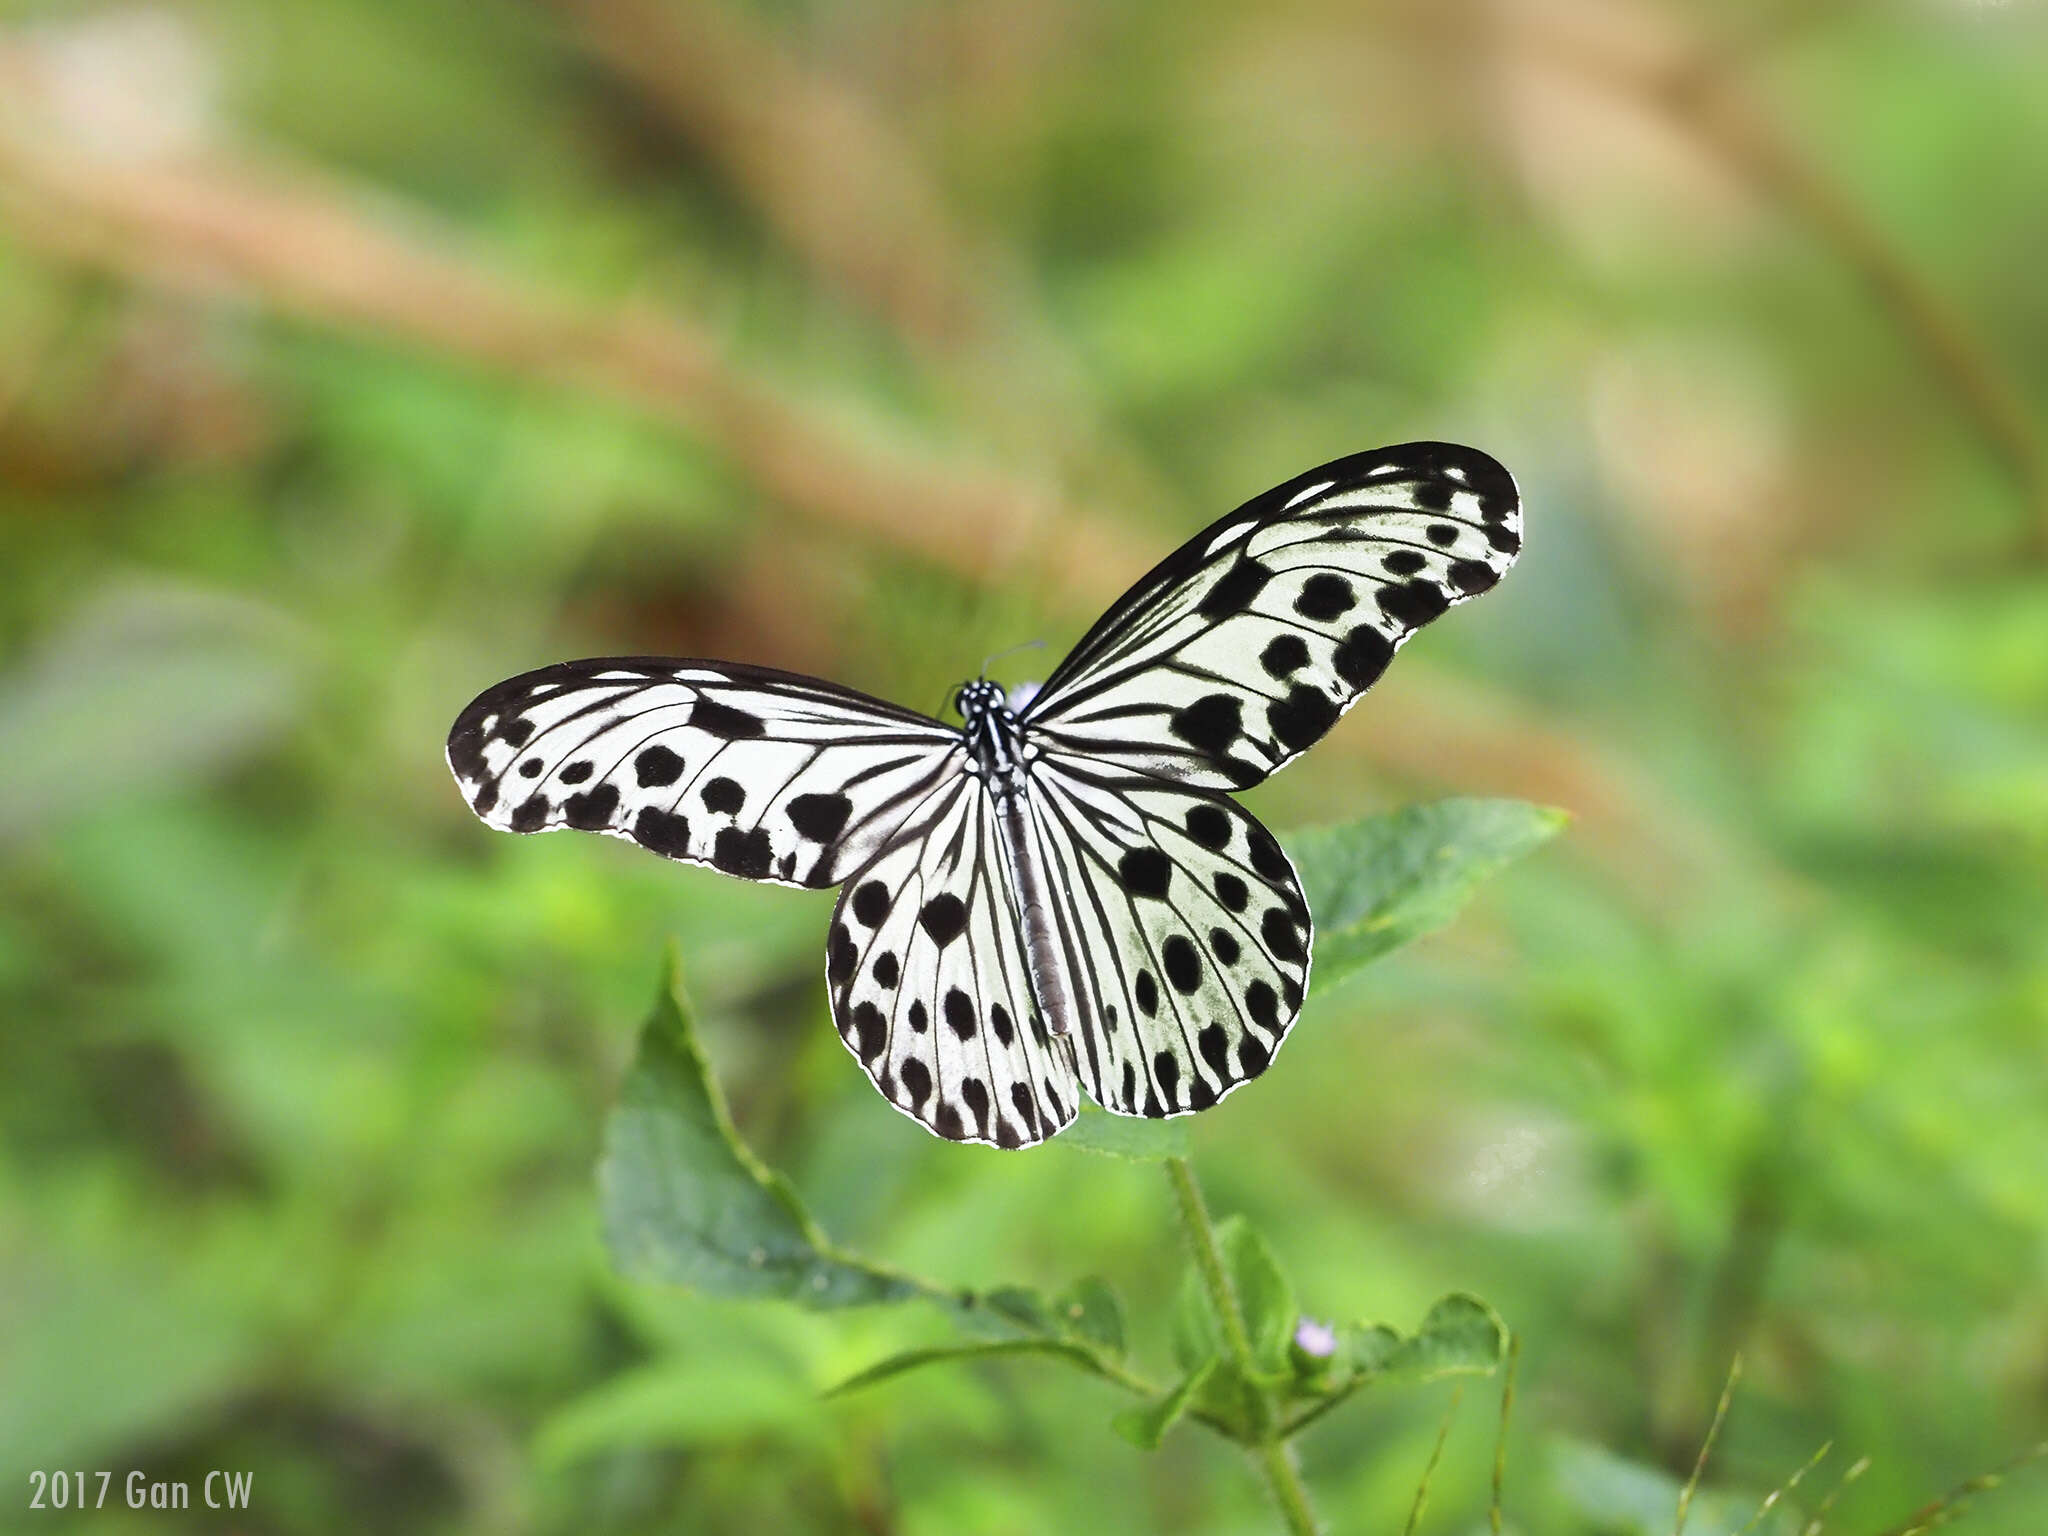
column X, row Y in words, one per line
column 1242, row 648
column 760, row 774
column 925, row 967
column 1192, row 928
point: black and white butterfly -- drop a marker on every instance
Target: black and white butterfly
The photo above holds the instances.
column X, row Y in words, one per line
column 1059, row 895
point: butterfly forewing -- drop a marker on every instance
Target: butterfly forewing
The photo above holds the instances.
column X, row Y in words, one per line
column 925, row 965
column 1241, row 649
column 1192, row 928
column 760, row 774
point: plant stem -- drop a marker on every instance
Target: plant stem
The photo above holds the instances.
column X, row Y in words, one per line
column 1269, row 1449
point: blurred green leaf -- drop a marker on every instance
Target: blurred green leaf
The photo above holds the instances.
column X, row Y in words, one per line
column 1126, row 1136
column 941, row 1354
column 677, row 1402
column 1613, row 1493
column 1264, row 1296
column 685, row 1201
column 1377, row 883
column 1146, row 1427
column 1089, row 1310
column 147, row 686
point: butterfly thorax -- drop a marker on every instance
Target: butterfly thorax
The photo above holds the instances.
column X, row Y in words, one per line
column 996, row 747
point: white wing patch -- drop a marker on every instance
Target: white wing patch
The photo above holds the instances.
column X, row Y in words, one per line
column 925, row 964
column 757, row 774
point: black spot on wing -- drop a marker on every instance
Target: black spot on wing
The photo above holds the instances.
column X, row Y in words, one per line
column 944, row 917
column 917, row 1080
column 724, row 796
column 1470, row 576
column 1325, row 596
column 1236, row 590
column 1146, row 991
column 716, row 719
column 662, row 832
column 999, row 1021
column 920, row 1021
column 1145, row 872
column 1404, row 562
column 1210, row 724
column 871, row 903
column 743, row 852
column 1232, row 891
column 576, row 773
column 1183, row 965
column 1027, row 1110
column 1413, row 603
column 516, row 733
column 530, row 815
column 1362, row 656
column 819, row 817
column 1263, row 1005
column 841, row 956
column 887, row 971
column 1209, row 826
column 1284, row 655
column 657, row 767
column 1267, row 858
column 530, row 769
column 975, row 1092
column 1166, row 1068
column 1223, row 945
column 593, row 809
column 871, row 1032
column 1282, row 938
column 1215, row 1049
column 1301, row 719
column 959, row 1010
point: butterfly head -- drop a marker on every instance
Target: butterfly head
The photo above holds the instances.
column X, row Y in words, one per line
column 978, row 698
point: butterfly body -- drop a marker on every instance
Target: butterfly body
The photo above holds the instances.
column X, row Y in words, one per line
column 1060, row 894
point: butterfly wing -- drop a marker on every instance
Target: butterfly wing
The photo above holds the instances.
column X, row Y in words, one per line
column 761, row 774
column 925, row 966
column 1242, row 648
column 1187, row 931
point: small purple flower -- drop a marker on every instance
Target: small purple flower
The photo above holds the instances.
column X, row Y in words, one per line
column 1314, row 1338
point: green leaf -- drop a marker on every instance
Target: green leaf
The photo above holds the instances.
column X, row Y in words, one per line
column 1461, row 1335
column 1377, row 883
column 1127, row 1136
column 1089, row 1311
column 912, row 1359
column 1146, row 1427
column 685, row 1201
column 1264, row 1296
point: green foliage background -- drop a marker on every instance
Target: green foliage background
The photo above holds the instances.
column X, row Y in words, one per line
column 354, row 355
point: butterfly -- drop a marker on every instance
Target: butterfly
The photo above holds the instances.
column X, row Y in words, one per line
column 1059, row 894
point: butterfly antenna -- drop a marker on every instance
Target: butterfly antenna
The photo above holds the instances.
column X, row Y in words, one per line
column 1011, row 650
